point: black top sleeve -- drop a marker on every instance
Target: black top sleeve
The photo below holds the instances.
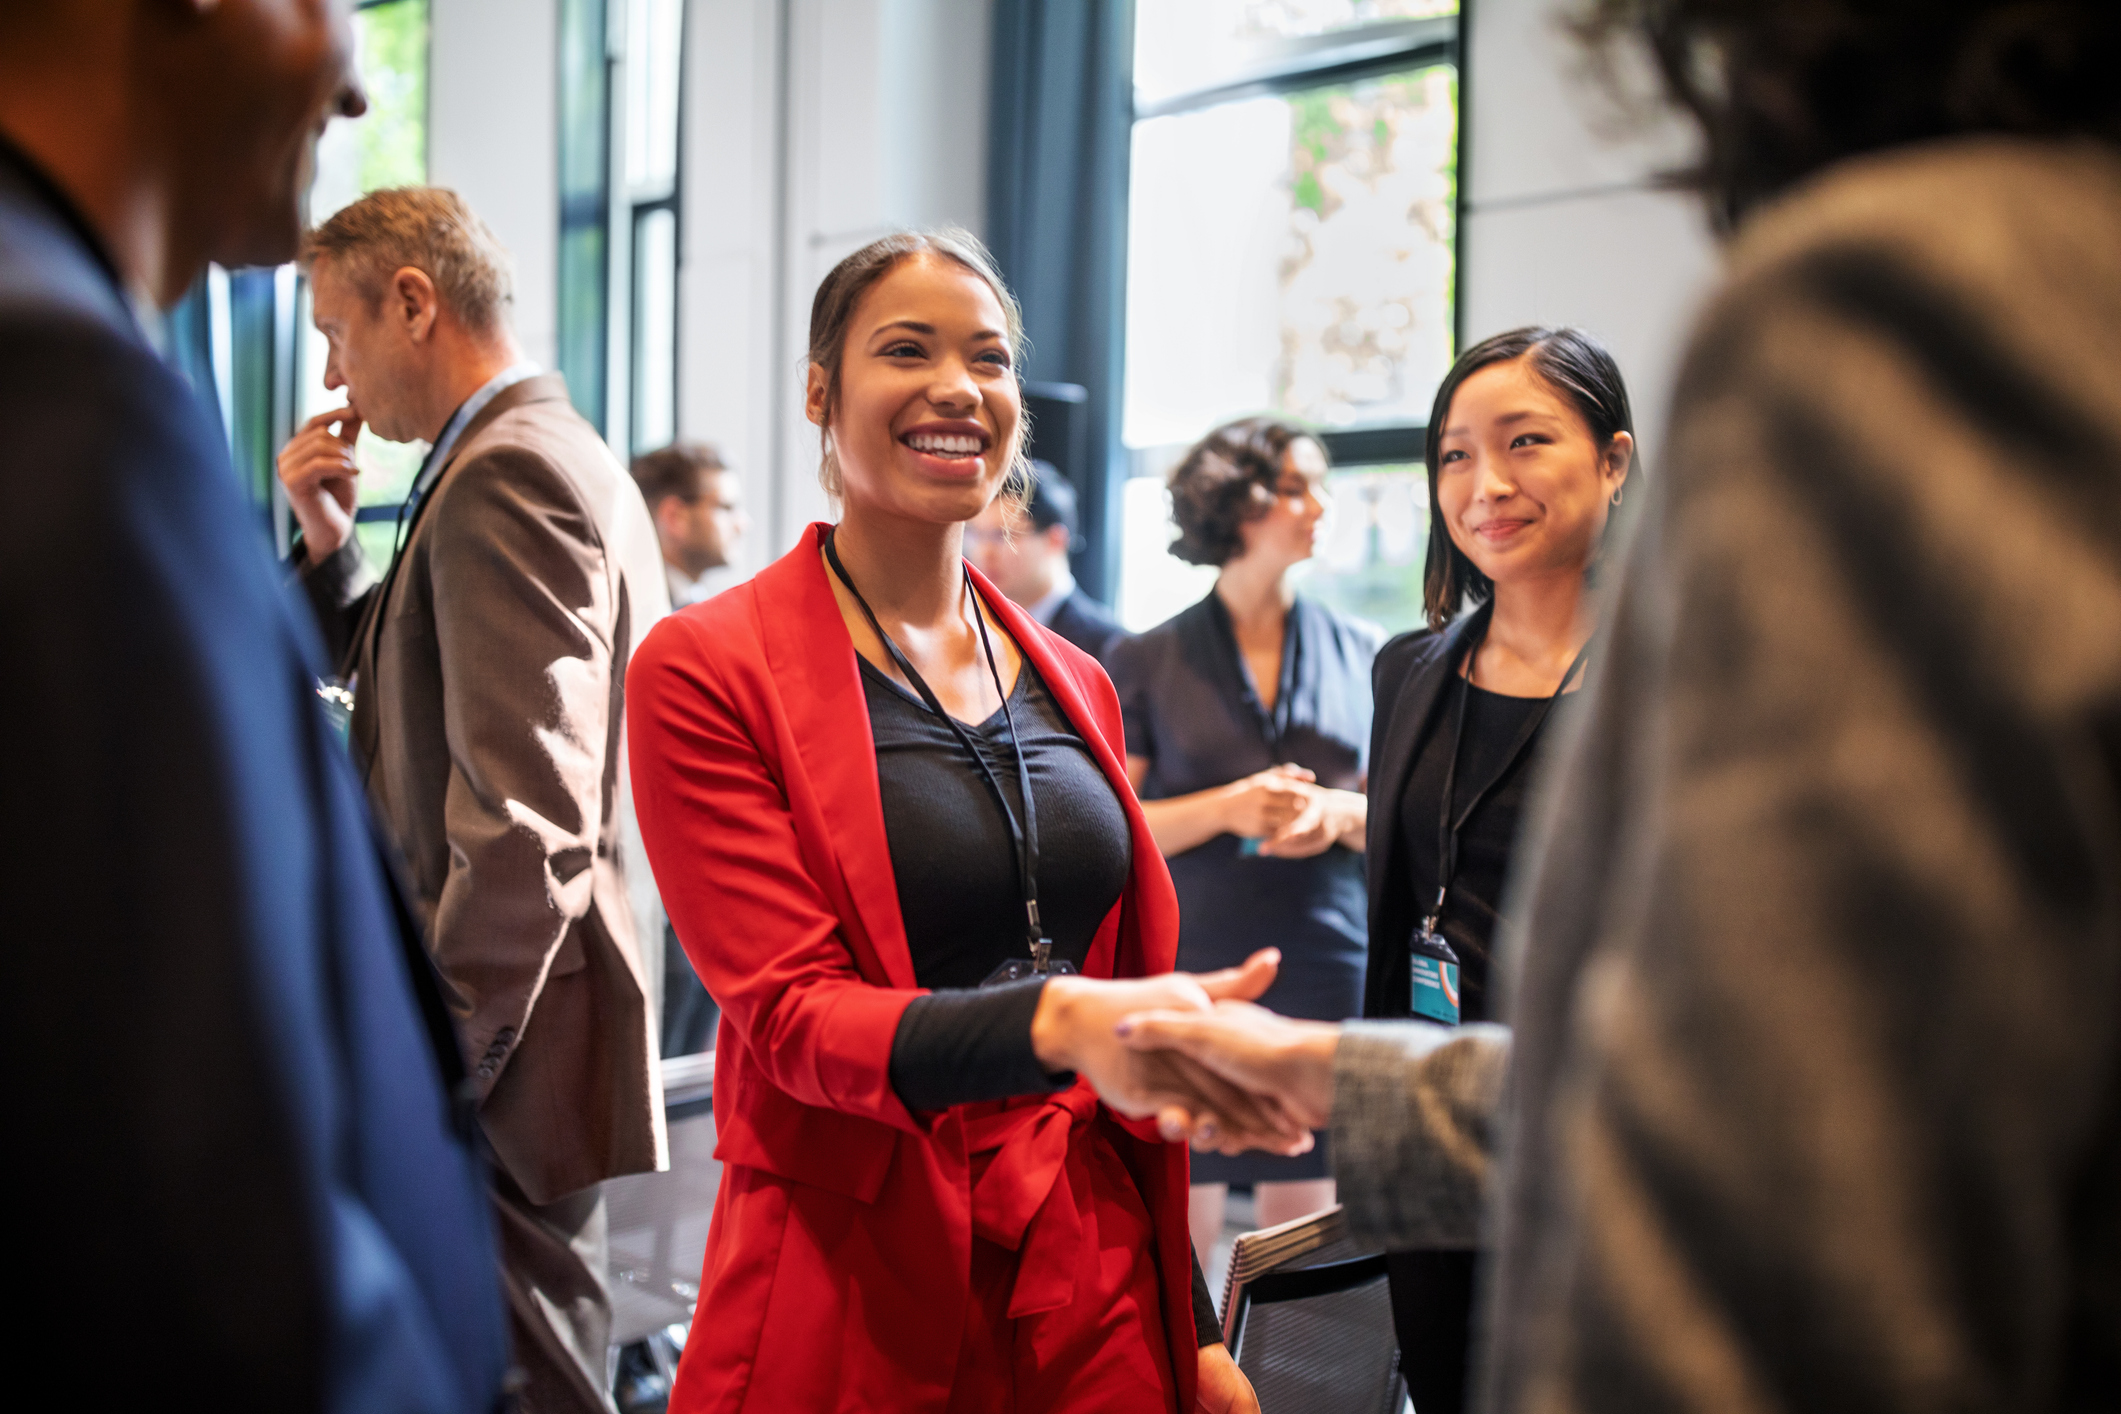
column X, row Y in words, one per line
column 953, row 1048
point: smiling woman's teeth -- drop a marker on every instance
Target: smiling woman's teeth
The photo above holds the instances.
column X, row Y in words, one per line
column 945, row 446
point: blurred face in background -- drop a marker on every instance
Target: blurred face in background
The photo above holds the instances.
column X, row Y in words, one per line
column 1024, row 563
column 1522, row 484
column 928, row 407
column 1287, row 534
column 702, row 534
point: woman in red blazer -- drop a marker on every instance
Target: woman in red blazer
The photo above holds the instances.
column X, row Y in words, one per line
column 894, row 1230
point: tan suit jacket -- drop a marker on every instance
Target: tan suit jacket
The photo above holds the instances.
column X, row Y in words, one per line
column 488, row 671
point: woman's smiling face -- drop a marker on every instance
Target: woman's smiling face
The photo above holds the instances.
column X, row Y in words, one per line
column 1522, row 485
column 925, row 420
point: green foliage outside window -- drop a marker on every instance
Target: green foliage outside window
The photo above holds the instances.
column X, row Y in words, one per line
column 392, row 139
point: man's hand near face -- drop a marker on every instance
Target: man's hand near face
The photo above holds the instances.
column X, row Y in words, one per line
column 318, row 472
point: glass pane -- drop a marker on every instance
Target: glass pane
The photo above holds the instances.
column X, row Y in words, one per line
column 1154, row 584
column 585, row 204
column 1369, row 560
column 655, row 329
column 1181, row 46
column 1293, row 254
column 1370, row 557
column 387, row 146
column 653, row 61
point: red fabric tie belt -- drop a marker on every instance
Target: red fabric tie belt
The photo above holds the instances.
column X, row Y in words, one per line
column 1030, row 1198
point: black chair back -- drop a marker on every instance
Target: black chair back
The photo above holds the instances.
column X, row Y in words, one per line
column 1308, row 1318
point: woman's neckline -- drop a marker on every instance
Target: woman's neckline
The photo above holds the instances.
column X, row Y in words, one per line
column 1017, row 690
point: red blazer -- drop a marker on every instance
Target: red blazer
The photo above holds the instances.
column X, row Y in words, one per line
column 838, row 1262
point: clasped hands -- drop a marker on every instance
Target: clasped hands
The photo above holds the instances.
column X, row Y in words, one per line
column 1195, row 1053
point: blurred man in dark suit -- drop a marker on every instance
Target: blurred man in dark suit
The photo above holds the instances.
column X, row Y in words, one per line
column 1026, row 555
column 231, row 1062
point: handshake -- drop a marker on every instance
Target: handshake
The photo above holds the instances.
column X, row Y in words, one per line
column 1194, row 1052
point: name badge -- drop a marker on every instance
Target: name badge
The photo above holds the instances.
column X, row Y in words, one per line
column 1436, row 989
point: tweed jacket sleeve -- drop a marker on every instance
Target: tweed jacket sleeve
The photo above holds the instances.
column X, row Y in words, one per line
column 1414, row 1120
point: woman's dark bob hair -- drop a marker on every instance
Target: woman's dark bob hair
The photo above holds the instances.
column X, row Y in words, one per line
column 1574, row 365
column 1225, row 479
column 1782, row 88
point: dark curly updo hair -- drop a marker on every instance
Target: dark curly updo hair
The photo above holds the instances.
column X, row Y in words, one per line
column 1573, row 364
column 1225, row 479
column 1782, row 88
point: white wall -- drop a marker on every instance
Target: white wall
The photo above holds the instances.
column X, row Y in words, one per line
column 1562, row 224
column 812, row 127
column 492, row 134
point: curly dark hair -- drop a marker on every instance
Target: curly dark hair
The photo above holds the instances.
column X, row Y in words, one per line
column 1225, row 479
column 1782, row 88
column 1572, row 363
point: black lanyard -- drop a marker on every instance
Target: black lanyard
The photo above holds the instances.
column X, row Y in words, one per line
column 1025, row 835
column 1453, row 822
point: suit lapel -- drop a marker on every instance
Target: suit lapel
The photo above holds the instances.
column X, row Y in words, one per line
column 366, row 727
column 1404, row 734
column 819, row 677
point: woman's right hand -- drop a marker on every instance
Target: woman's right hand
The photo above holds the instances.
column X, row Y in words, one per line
column 1257, row 806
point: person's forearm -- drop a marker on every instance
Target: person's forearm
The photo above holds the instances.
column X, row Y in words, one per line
column 1182, row 822
column 1355, row 831
column 1414, row 1128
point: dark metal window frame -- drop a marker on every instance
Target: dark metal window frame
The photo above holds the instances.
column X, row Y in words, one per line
column 1321, row 62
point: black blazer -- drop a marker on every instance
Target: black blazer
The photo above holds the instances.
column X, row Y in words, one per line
column 229, row 1053
column 1407, row 682
column 1087, row 624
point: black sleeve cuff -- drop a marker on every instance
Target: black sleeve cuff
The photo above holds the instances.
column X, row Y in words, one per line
column 953, row 1048
column 1207, row 1326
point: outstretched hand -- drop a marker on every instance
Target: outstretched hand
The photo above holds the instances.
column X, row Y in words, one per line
column 1272, row 1059
column 1076, row 1028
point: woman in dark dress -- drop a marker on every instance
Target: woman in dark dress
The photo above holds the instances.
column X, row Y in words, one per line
column 1248, row 728
column 1529, row 447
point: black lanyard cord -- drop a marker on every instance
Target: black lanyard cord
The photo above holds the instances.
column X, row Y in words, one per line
column 1453, row 822
column 1024, row 836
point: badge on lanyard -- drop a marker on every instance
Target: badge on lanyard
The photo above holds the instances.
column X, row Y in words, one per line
column 1435, row 973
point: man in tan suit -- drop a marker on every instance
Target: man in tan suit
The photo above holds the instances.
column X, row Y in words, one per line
column 488, row 661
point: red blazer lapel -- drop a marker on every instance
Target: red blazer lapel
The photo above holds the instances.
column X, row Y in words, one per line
column 813, row 661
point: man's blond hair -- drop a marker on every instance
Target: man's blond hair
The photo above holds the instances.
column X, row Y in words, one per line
column 430, row 229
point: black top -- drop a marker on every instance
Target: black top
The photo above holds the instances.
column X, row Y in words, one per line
column 955, row 864
column 958, row 892
column 1472, row 909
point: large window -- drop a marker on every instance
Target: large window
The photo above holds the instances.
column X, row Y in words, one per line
column 621, row 72
column 1291, row 249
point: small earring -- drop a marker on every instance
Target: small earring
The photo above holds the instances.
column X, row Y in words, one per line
column 1617, row 495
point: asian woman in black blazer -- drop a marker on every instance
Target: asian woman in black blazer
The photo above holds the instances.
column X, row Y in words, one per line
column 1529, row 447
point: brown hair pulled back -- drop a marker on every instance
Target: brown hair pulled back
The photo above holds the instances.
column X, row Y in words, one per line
column 832, row 311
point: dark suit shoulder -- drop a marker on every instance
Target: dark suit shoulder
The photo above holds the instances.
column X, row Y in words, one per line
column 93, row 422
